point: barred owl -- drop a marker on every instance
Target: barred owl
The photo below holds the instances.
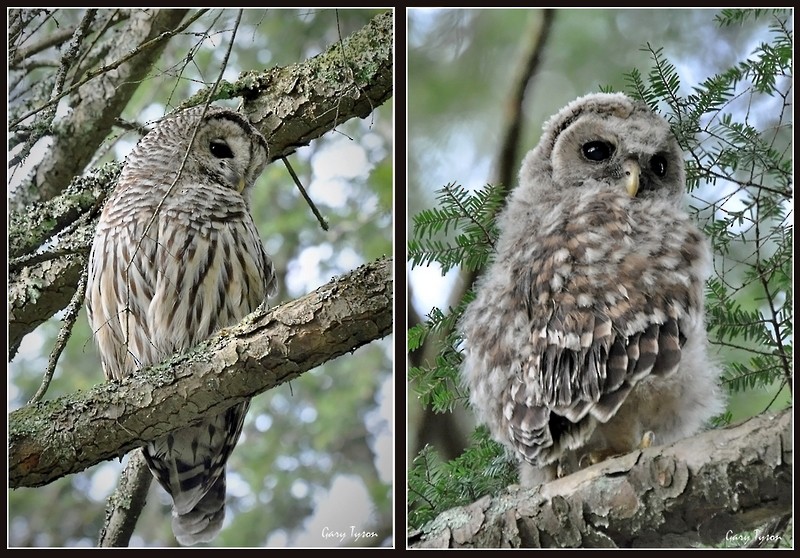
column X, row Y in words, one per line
column 176, row 256
column 586, row 337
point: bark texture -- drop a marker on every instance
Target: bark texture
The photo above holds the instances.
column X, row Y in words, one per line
column 51, row 439
column 696, row 491
column 295, row 104
column 126, row 503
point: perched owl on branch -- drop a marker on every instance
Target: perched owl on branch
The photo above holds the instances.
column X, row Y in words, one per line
column 176, row 257
column 586, row 338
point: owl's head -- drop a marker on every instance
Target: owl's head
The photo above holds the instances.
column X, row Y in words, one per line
column 227, row 149
column 609, row 141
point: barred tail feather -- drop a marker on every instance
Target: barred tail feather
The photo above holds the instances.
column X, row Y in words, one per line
column 190, row 464
column 203, row 522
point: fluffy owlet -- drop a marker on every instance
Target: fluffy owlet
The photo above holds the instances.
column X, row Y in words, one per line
column 176, row 256
column 586, row 337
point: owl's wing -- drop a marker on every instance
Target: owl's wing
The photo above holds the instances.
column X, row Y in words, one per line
column 604, row 296
column 581, row 370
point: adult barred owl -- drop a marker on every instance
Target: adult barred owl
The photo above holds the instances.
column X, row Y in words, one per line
column 176, row 256
column 586, row 337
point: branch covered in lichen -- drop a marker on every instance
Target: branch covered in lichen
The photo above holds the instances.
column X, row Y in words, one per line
column 50, row 439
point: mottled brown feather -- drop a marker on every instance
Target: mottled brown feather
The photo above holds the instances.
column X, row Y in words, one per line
column 594, row 297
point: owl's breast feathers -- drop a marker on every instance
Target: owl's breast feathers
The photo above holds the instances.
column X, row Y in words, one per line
column 163, row 284
column 605, row 298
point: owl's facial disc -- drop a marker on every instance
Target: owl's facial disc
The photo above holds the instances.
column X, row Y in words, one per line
column 630, row 178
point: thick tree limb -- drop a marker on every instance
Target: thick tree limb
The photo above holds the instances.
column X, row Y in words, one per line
column 39, row 291
column 283, row 108
column 30, row 229
column 293, row 105
column 698, row 490
column 55, row 438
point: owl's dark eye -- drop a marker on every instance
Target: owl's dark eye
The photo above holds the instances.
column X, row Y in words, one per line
column 597, row 150
column 220, row 149
column 658, row 165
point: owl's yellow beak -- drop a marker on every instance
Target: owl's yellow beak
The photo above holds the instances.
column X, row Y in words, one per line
column 631, row 178
column 241, row 185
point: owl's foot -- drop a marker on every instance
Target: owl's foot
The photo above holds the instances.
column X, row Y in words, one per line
column 647, row 440
column 562, row 470
column 566, row 465
column 594, row 457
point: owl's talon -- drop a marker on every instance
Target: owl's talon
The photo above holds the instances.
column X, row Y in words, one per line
column 595, row 457
column 647, row 439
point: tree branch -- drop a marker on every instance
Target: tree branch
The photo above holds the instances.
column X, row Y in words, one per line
column 293, row 105
column 126, row 503
column 39, row 291
column 698, row 490
column 51, row 439
column 30, row 229
column 99, row 102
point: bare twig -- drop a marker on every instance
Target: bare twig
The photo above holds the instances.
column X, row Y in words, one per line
column 107, row 68
column 73, row 309
column 322, row 222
